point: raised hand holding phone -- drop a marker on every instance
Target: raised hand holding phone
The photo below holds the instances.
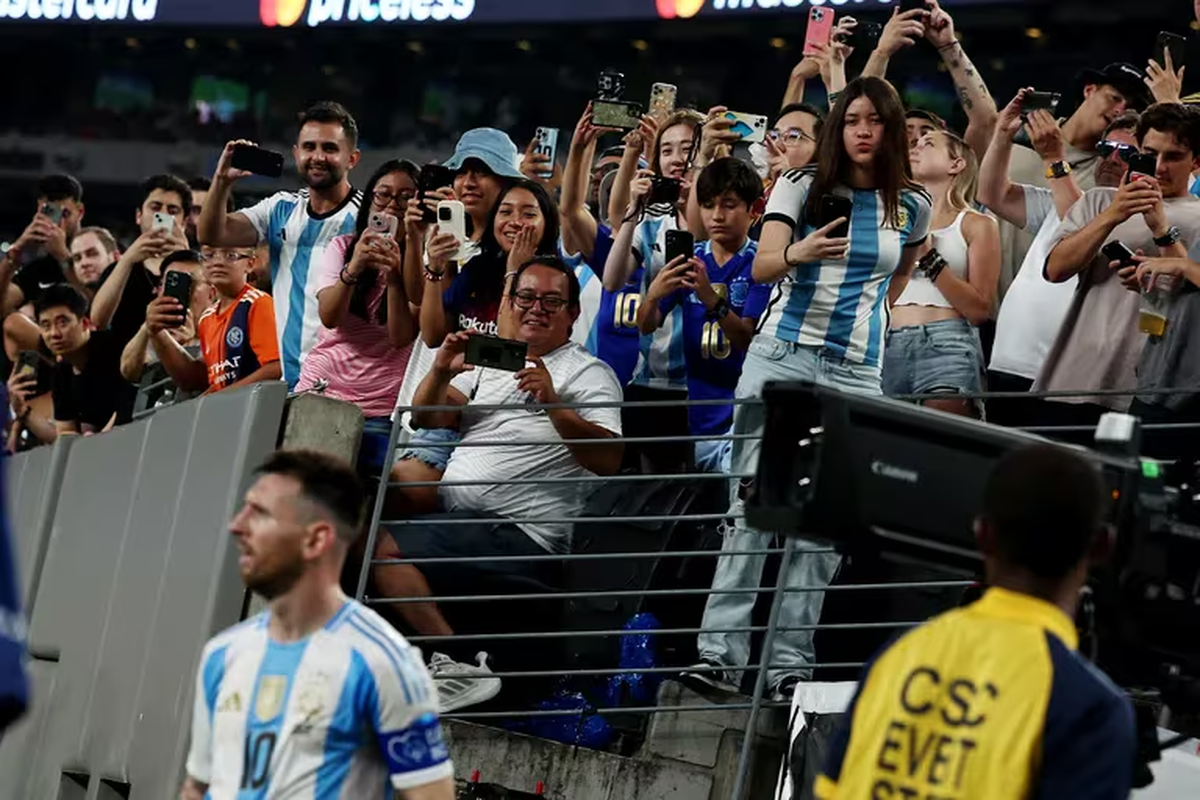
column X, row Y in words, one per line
column 674, row 276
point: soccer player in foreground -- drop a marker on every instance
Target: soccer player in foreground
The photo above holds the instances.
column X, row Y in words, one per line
column 317, row 697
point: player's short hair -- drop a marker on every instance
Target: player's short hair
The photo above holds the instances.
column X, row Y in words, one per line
column 327, row 482
column 328, row 111
column 1045, row 505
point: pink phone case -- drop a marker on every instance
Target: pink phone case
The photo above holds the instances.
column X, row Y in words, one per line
column 820, row 25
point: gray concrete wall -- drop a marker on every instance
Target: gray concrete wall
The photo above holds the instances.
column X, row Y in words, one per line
column 138, row 572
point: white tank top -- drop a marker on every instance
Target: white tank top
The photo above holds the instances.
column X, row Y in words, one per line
column 952, row 246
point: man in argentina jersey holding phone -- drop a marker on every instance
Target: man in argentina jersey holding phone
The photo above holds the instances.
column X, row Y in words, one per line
column 296, row 226
column 316, row 698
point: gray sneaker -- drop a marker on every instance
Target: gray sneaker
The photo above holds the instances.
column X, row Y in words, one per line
column 462, row 685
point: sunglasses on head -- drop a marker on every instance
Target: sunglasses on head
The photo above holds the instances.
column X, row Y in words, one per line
column 1107, row 148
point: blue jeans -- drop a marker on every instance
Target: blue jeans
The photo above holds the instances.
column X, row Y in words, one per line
column 810, row 568
column 431, row 446
column 944, row 357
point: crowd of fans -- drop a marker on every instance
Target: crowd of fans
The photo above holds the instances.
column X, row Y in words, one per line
column 859, row 244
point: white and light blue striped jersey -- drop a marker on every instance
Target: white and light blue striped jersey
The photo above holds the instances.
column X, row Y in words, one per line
column 297, row 239
column 590, row 286
column 349, row 712
column 841, row 306
column 661, row 363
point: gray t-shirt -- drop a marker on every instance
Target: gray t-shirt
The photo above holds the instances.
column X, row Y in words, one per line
column 1026, row 167
column 1171, row 361
column 1099, row 343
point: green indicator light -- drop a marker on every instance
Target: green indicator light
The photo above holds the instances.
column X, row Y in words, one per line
column 1151, row 469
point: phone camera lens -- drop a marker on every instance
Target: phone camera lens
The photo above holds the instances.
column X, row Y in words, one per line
column 444, row 214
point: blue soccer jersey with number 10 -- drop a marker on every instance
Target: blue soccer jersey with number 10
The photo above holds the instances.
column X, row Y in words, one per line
column 713, row 363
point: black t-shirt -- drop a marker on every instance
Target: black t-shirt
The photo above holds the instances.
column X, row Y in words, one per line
column 140, row 289
column 37, row 276
column 93, row 395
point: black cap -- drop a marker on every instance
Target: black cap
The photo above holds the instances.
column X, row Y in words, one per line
column 1125, row 78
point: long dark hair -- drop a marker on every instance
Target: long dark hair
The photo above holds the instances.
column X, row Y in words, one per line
column 369, row 277
column 893, row 173
column 489, row 245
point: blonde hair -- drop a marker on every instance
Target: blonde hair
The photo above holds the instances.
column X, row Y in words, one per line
column 965, row 184
column 684, row 116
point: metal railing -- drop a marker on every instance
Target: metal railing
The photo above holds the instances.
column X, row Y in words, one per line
column 706, row 519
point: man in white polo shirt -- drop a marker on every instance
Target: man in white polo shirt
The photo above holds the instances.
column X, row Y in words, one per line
column 524, row 523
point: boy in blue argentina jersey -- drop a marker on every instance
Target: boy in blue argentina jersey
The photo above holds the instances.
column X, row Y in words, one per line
column 317, row 697
column 719, row 300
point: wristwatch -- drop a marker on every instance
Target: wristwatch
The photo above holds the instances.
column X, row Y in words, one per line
column 1167, row 239
column 720, row 310
column 1059, row 169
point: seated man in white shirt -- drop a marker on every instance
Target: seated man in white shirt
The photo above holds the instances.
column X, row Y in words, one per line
column 540, row 309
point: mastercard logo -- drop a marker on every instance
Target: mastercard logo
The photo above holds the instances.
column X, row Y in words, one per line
column 670, row 9
column 280, row 12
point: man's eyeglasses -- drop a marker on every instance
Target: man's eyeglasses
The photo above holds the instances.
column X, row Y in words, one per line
column 551, row 303
column 383, row 197
column 789, row 138
column 225, row 257
column 1107, row 148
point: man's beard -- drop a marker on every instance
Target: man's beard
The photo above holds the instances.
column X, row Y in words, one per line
column 278, row 582
column 330, row 179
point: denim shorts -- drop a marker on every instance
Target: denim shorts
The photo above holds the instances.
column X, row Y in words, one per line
column 432, row 446
column 943, row 357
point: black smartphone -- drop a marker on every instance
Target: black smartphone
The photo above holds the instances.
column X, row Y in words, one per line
column 1118, row 251
column 664, row 190
column 492, row 351
column 433, row 177
column 622, row 114
column 257, row 160
column 679, row 243
column 912, row 5
column 1171, row 43
column 178, row 284
column 1143, row 164
column 834, row 206
column 1040, row 101
column 864, row 36
column 27, row 362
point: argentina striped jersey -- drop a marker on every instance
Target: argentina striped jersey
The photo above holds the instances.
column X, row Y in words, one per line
column 841, row 306
column 297, row 239
column 349, row 712
column 662, row 363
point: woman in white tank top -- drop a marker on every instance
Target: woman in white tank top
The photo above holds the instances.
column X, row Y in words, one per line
column 932, row 344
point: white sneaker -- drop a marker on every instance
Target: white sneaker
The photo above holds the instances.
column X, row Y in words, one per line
column 461, row 685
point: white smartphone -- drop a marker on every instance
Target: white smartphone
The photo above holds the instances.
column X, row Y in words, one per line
column 383, row 223
column 546, row 144
column 752, row 127
column 452, row 218
column 662, row 100
column 164, row 221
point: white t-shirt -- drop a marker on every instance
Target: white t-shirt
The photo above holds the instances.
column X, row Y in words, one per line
column 578, row 377
column 1034, row 308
